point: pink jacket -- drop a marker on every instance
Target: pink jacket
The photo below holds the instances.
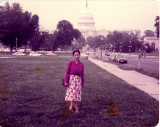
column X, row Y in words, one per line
column 73, row 68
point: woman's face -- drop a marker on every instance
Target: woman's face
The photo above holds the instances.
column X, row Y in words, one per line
column 76, row 56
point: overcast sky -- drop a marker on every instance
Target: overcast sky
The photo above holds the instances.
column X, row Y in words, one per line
column 108, row 14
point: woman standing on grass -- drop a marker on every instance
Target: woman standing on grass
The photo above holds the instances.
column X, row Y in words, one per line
column 75, row 72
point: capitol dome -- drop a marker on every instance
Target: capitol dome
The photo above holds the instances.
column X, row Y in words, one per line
column 86, row 20
column 86, row 23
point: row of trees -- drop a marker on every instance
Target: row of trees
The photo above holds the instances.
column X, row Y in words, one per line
column 122, row 42
column 63, row 37
column 157, row 26
column 117, row 41
column 18, row 28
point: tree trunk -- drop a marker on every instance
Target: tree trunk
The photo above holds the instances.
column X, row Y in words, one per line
column 25, row 48
column 11, row 49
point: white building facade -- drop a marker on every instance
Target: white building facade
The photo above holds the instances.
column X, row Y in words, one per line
column 152, row 41
column 86, row 23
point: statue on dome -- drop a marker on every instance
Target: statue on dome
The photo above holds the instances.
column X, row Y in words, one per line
column 86, row 4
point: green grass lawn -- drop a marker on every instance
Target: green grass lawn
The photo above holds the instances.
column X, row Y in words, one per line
column 147, row 54
column 127, row 67
column 31, row 94
column 151, row 74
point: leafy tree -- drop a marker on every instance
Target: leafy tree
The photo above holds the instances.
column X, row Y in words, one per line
column 46, row 45
column 157, row 26
column 99, row 40
column 66, row 33
column 16, row 25
column 135, row 43
column 91, row 42
column 10, row 24
column 38, row 40
column 148, row 48
column 76, row 34
column 153, row 46
column 123, row 42
column 149, row 33
column 79, row 43
column 30, row 25
column 50, row 42
column 115, row 39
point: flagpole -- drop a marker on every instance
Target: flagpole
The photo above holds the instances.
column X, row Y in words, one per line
column 86, row 4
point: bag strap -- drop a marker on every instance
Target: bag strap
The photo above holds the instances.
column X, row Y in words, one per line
column 64, row 69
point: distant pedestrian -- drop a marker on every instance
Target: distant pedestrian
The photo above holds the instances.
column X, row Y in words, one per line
column 139, row 61
column 75, row 78
column 139, row 57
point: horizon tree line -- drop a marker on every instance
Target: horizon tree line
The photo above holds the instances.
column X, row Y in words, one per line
column 20, row 28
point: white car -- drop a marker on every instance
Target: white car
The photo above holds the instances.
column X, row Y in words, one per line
column 84, row 55
column 21, row 50
column 34, row 54
column 18, row 54
column 112, row 57
column 50, row 54
column 6, row 50
column 121, row 59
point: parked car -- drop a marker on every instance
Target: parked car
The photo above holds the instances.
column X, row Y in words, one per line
column 112, row 57
column 18, row 54
column 84, row 55
column 20, row 50
column 5, row 50
column 34, row 54
column 121, row 59
column 50, row 54
column 107, row 53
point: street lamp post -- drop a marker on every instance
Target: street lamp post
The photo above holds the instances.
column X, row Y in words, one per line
column 120, row 47
column 101, row 47
column 111, row 47
column 139, row 61
column 94, row 48
column 130, row 46
column 16, row 43
column 77, row 45
column 114, row 47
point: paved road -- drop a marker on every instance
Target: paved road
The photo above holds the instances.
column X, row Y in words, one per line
column 148, row 63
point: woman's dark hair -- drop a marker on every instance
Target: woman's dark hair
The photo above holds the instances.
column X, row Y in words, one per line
column 76, row 51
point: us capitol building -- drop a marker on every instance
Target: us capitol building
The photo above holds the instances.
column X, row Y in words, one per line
column 86, row 25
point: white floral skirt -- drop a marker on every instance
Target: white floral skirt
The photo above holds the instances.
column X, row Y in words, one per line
column 73, row 92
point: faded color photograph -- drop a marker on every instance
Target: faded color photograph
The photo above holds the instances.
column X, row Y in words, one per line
column 79, row 63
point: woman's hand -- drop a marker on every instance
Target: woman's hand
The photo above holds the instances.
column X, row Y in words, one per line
column 66, row 84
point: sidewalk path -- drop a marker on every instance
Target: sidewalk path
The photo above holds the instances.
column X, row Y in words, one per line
column 143, row 82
